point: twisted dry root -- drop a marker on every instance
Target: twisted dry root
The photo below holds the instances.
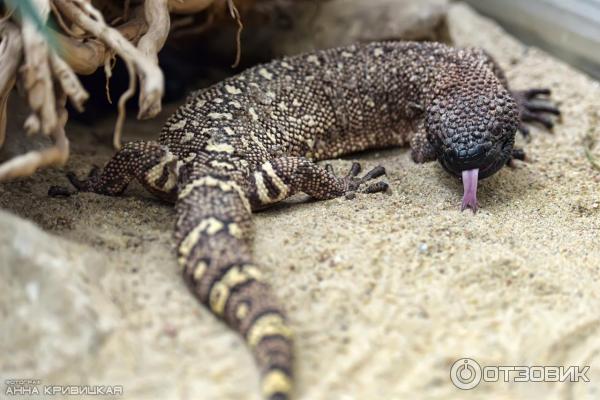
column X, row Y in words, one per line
column 36, row 71
column 57, row 154
column 157, row 16
column 84, row 43
column 11, row 51
column 90, row 20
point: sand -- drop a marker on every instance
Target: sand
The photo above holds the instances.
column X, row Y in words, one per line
column 385, row 291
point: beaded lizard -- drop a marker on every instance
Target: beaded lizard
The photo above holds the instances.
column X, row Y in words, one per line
column 253, row 139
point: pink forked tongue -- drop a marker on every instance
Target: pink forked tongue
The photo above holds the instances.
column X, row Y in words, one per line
column 469, row 179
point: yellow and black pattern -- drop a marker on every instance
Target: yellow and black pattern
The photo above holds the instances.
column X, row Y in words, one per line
column 253, row 139
column 278, row 179
column 215, row 218
column 151, row 163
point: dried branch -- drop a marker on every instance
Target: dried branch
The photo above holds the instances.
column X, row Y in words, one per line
column 84, row 43
column 235, row 14
column 88, row 18
column 36, row 71
column 122, row 101
column 74, row 33
column 11, row 51
column 69, row 82
column 156, row 13
column 28, row 163
column 85, row 56
column 188, row 6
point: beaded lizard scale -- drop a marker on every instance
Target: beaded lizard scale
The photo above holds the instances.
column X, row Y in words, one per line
column 253, row 139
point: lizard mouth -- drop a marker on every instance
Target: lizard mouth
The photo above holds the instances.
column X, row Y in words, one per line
column 477, row 168
column 470, row 178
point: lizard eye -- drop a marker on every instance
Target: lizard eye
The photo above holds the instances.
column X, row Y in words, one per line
column 496, row 129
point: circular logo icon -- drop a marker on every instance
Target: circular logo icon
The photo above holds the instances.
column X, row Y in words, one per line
column 465, row 373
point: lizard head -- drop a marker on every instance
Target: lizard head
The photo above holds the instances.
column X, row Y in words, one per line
column 472, row 131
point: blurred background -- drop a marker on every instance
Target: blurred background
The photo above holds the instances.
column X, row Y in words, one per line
column 385, row 293
column 569, row 29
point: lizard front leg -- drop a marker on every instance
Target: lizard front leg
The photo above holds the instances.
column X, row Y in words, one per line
column 421, row 150
column 280, row 178
column 533, row 108
column 150, row 162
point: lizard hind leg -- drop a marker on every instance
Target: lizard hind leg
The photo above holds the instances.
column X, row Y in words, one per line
column 214, row 233
column 151, row 163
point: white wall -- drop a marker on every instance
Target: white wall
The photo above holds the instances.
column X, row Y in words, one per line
column 569, row 29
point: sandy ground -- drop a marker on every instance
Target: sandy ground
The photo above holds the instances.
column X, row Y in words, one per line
column 384, row 292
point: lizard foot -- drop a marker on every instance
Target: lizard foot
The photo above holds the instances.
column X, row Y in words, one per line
column 534, row 108
column 517, row 154
column 86, row 185
column 355, row 184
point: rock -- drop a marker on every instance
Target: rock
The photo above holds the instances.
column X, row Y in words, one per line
column 342, row 22
column 52, row 312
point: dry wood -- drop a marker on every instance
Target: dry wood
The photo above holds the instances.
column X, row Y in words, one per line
column 90, row 20
column 156, row 13
column 69, row 82
column 83, row 42
column 56, row 155
column 37, row 78
column 188, row 6
column 85, row 56
column 10, row 58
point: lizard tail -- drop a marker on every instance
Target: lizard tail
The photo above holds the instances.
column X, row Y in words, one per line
column 214, row 235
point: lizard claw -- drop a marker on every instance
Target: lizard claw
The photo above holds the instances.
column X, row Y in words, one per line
column 358, row 184
column 517, row 154
column 329, row 168
column 354, row 170
column 59, row 191
column 80, row 185
column 88, row 184
column 534, row 109
column 373, row 174
column 377, row 187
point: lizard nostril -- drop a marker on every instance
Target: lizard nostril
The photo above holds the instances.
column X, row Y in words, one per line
column 467, row 155
column 476, row 151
